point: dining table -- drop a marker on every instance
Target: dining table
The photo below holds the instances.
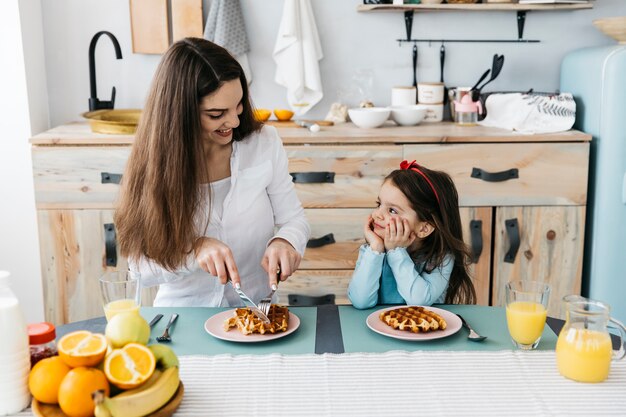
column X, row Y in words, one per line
column 332, row 363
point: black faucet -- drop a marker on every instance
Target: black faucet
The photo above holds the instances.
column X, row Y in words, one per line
column 94, row 103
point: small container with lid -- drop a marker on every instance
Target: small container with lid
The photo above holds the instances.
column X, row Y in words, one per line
column 467, row 111
column 42, row 345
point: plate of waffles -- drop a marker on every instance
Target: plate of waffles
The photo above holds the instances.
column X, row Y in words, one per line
column 415, row 323
column 241, row 325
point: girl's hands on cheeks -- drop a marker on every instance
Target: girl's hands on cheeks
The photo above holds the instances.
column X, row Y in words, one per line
column 216, row 258
column 280, row 254
column 372, row 239
column 398, row 234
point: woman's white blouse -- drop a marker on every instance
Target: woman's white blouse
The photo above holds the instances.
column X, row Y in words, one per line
column 261, row 204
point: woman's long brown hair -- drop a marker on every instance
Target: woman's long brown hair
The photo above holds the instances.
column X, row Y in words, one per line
column 160, row 191
column 447, row 238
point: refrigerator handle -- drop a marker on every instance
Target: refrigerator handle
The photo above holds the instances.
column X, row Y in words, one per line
column 624, row 189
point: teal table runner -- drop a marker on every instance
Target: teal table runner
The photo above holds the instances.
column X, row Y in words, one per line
column 488, row 321
column 190, row 338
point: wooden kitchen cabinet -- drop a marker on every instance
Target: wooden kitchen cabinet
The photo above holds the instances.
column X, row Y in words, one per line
column 338, row 172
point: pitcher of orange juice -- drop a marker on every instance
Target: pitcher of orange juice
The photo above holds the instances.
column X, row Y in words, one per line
column 583, row 349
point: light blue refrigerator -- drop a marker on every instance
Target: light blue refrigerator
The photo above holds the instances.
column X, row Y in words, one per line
column 597, row 79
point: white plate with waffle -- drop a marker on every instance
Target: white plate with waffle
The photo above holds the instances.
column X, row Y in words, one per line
column 215, row 326
column 376, row 324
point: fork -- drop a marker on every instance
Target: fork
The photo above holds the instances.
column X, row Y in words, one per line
column 265, row 303
column 165, row 337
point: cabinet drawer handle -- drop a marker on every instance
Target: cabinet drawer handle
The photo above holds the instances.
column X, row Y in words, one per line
column 476, row 234
column 495, row 176
column 110, row 244
column 312, row 177
column 109, row 178
column 321, row 241
column 512, row 229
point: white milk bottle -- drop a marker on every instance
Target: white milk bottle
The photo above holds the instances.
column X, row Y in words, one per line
column 14, row 352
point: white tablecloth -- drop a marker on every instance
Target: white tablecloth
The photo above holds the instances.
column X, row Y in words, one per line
column 504, row 383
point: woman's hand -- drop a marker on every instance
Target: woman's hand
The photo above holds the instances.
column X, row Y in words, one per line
column 372, row 239
column 217, row 259
column 398, row 234
column 280, row 254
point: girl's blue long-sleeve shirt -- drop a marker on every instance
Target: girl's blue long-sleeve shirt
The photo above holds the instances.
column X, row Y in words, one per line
column 394, row 278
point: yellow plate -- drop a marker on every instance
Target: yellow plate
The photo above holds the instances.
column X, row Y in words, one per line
column 114, row 121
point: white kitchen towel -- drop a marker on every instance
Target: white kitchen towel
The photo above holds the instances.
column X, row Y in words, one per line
column 297, row 53
column 225, row 27
column 531, row 113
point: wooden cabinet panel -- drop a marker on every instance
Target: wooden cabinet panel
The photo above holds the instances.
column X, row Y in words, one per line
column 72, row 248
column 71, row 176
column 346, row 226
column 548, row 173
column 479, row 270
column 316, row 283
column 359, row 172
column 551, row 249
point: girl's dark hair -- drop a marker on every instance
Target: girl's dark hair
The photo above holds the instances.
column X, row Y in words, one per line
column 443, row 215
column 160, row 188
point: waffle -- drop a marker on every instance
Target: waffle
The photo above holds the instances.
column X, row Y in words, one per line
column 413, row 319
column 248, row 323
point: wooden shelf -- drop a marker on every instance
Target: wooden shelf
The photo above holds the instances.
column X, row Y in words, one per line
column 473, row 7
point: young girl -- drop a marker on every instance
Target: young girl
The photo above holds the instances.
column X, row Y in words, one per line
column 415, row 252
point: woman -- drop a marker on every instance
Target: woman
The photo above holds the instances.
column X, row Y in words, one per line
column 205, row 187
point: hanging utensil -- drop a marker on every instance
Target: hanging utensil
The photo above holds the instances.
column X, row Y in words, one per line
column 415, row 65
column 442, row 61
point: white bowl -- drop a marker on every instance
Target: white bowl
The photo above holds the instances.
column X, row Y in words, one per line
column 408, row 115
column 368, row 117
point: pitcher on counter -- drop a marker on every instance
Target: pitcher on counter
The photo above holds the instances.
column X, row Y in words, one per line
column 414, row 252
column 206, row 186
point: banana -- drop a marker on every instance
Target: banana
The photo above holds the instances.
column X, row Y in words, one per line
column 141, row 400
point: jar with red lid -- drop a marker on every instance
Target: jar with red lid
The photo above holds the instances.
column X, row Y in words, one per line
column 42, row 345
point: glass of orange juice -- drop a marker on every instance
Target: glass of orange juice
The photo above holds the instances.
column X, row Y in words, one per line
column 121, row 292
column 526, row 312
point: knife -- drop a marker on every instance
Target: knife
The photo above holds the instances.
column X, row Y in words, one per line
column 249, row 303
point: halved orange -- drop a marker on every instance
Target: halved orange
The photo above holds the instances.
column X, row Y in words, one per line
column 82, row 348
column 129, row 366
column 262, row 114
column 283, row 115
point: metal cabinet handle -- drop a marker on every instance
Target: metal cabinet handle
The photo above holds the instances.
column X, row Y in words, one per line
column 495, row 176
column 476, row 234
column 110, row 244
column 321, row 241
column 313, row 177
column 512, row 229
column 109, row 178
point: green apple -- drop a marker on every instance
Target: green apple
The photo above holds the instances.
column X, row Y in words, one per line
column 127, row 327
column 164, row 355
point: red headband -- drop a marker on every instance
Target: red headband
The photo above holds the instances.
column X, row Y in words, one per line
column 413, row 166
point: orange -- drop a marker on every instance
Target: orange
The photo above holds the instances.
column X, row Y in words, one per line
column 262, row 114
column 45, row 378
column 283, row 115
column 76, row 388
column 129, row 366
column 82, row 348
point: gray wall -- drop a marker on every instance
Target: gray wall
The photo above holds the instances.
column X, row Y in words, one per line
column 352, row 42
